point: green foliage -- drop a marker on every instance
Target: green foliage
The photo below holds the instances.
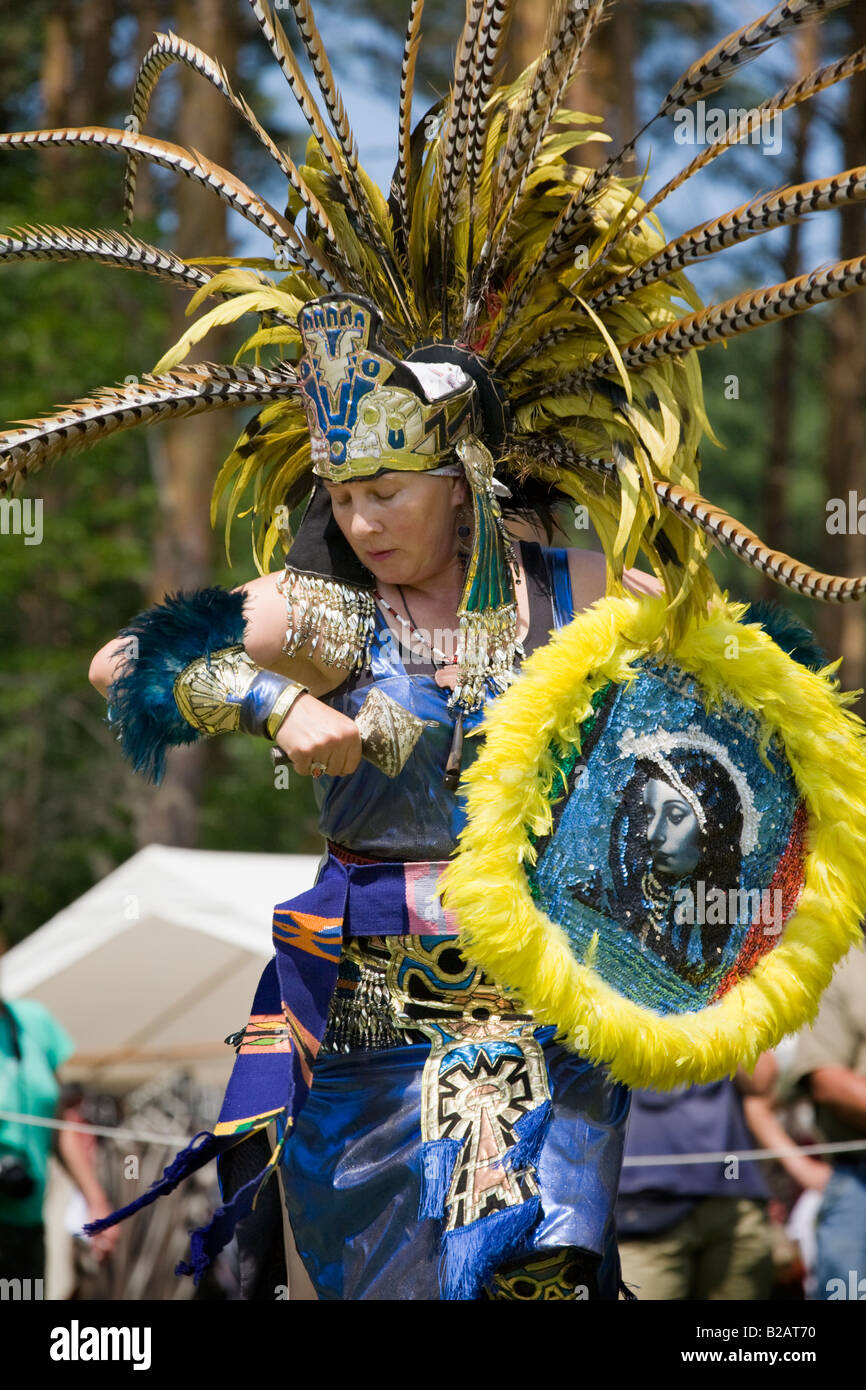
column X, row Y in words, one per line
column 70, row 810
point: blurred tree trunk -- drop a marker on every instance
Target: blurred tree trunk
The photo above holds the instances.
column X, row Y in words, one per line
column 186, row 453
column 74, row 90
column 75, row 80
column 56, row 84
column 842, row 627
column 57, row 65
column 783, row 393
column 90, row 100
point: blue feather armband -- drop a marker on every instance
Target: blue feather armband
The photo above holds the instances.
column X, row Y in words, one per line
column 163, row 641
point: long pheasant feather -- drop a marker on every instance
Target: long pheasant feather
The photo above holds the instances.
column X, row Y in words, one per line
column 317, row 54
column 777, row 209
column 404, row 124
column 570, row 29
column 487, row 59
column 486, row 62
column 320, row 63
column 555, row 71
column 315, row 49
column 733, row 535
column 709, row 72
column 452, row 156
column 307, row 197
column 193, row 165
column 706, row 75
column 720, row 526
column 104, row 246
column 167, row 49
column 108, row 247
column 740, row 314
column 488, row 56
column 803, row 89
column 185, row 391
column 275, row 36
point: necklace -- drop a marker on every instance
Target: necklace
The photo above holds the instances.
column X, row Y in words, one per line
column 451, row 778
column 434, row 651
column 657, row 899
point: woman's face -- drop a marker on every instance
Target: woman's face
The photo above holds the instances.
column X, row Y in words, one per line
column 673, row 833
column 400, row 525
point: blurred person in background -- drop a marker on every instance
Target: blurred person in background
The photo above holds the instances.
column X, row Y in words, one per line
column 831, row 1065
column 796, row 1180
column 33, row 1045
column 695, row 1230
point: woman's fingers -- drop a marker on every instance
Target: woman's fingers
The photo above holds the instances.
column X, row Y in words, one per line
column 319, row 739
column 341, row 757
column 337, row 758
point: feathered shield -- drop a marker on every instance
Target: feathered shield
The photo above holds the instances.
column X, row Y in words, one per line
column 663, row 854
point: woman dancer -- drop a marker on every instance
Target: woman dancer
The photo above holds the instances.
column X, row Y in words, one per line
column 411, row 1027
column 512, row 320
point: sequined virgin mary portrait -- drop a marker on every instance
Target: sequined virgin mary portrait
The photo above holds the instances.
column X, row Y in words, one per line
column 675, row 857
column 675, row 848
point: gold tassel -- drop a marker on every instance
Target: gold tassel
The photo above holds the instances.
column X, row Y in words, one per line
column 486, row 646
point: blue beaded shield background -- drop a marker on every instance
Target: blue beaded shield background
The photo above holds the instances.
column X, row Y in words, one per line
column 598, row 875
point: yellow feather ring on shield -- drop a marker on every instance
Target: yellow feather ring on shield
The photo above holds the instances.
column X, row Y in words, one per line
column 664, row 849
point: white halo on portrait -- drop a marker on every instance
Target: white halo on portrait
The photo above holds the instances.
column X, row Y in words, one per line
column 655, row 745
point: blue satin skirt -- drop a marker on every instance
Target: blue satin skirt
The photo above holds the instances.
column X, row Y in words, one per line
column 357, row 1177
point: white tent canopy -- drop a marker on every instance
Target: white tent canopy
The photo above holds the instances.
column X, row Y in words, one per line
column 162, row 957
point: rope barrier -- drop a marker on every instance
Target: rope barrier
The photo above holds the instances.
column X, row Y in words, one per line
column 630, row 1161
column 744, row 1155
column 101, row 1131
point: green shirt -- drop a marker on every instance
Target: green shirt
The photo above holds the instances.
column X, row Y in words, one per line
column 30, row 1087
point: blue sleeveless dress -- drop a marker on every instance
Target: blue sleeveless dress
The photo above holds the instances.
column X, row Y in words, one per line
column 445, row 1136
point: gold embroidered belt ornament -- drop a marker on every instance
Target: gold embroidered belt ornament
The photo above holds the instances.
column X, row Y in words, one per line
column 226, row 692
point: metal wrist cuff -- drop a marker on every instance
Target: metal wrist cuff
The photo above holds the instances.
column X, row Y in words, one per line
column 275, row 696
column 226, row 691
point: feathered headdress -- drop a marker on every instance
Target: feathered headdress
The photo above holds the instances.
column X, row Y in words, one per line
column 548, row 286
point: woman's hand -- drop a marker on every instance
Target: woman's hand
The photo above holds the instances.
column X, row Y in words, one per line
column 312, row 733
column 103, row 1243
column 811, row 1173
